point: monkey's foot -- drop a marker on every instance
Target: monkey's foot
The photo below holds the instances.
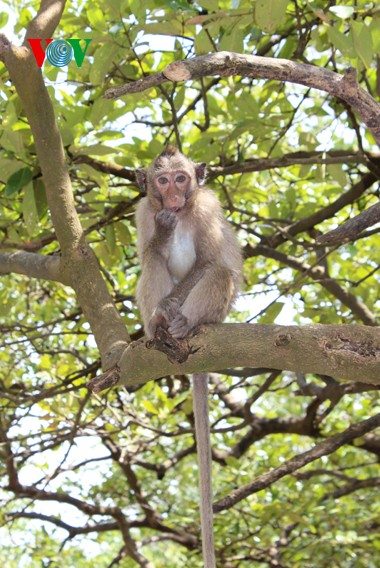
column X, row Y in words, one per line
column 176, row 351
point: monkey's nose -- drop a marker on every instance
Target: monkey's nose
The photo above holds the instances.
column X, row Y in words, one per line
column 174, row 203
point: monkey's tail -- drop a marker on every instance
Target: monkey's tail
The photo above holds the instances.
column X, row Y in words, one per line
column 202, row 431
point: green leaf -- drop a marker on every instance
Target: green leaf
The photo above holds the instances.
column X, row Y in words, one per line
column 362, row 39
column 342, row 42
column 271, row 313
column 40, row 197
column 233, row 40
column 7, row 168
column 375, row 32
column 12, row 140
column 23, row 19
column 177, row 5
column 29, row 209
column 102, row 64
column 342, row 12
column 149, row 406
column 337, row 173
column 98, row 150
column 210, row 5
column 3, row 19
column 18, row 180
column 288, row 48
column 202, row 43
column 163, row 28
column 179, row 98
column 270, row 14
column 123, row 233
column 102, row 252
column 93, row 174
column 138, row 8
column 100, row 109
column 110, row 238
column 96, row 19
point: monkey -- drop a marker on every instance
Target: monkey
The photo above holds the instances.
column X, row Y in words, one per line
column 191, row 275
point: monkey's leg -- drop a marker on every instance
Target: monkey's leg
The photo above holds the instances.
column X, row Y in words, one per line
column 154, row 284
column 202, row 431
column 208, row 302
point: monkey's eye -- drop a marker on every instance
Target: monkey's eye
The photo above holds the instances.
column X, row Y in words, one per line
column 180, row 179
column 163, row 180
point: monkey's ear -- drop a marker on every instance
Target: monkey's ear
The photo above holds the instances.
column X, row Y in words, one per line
column 141, row 180
column 201, row 172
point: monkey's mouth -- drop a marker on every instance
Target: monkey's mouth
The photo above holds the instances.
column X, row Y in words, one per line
column 176, row 209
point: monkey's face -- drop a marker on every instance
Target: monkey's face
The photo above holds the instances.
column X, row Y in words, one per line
column 172, row 189
column 171, row 181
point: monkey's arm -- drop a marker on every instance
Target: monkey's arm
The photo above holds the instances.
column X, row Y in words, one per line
column 164, row 301
column 165, row 223
column 168, row 312
column 181, row 290
column 214, row 244
column 208, row 291
column 155, row 282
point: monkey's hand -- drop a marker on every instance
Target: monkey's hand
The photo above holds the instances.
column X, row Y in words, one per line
column 166, row 222
column 179, row 327
column 169, row 307
column 165, row 312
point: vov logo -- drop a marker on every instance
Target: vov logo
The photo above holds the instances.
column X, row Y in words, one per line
column 59, row 52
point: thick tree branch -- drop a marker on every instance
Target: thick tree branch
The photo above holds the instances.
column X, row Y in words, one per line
column 347, row 352
column 301, row 158
column 325, row 448
column 33, row 265
column 353, row 227
column 250, row 165
column 79, row 265
column 326, row 212
column 227, row 63
column 46, row 20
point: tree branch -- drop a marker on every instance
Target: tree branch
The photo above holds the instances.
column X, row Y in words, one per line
column 79, row 265
column 46, row 20
column 317, row 273
column 106, row 167
column 353, row 227
column 324, row 213
column 250, row 165
column 323, row 449
column 227, row 63
column 347, row 352
column 286, row 160
column 355, row 485
column 72, row 530
column 33, row 265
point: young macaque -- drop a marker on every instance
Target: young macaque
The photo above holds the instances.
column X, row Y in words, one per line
column 191, row 274
column 190, row 257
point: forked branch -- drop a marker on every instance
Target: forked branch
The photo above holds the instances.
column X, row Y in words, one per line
column 225, row 63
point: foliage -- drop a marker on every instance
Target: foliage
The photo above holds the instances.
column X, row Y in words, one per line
column 80, row 458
